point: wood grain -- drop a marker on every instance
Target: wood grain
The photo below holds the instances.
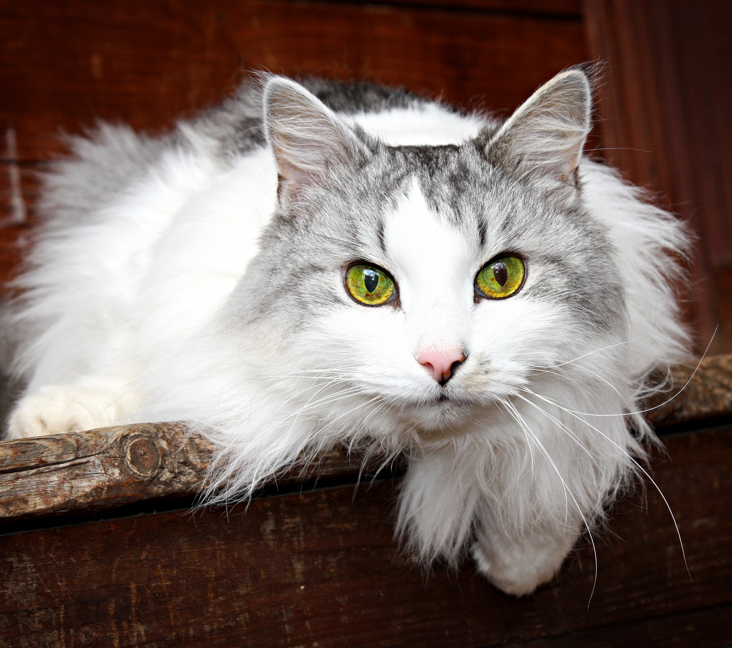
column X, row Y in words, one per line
column 110, row 467
column 89, row 471
column 321, row 568
column 665, row 108
column 102, row 469
column 696, row 391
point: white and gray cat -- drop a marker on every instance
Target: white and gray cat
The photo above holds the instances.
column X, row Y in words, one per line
column 308, row 266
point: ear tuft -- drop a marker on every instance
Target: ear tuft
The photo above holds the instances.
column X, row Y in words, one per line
column 307, row 138
column 547, row 134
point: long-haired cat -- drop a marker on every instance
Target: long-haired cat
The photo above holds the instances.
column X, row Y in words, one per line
column 307, row 266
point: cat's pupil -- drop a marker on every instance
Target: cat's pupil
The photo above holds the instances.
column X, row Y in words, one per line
column 370, row 279
column 500, row 273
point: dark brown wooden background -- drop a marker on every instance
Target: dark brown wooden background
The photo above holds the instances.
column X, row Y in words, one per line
column 667, row 109
column 664, row 100
column 664, row 120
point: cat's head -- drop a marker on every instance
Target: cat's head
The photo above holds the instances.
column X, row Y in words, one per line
column 428, row 280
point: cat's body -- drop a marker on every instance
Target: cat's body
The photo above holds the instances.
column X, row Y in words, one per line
column 205, row 277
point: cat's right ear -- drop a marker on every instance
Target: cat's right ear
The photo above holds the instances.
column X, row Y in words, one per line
column 307, row 138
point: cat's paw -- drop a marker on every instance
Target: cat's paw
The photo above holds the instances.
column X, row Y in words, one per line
column 519, row 567
column 58, row 408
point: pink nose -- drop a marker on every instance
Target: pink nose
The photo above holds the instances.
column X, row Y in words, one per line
column 441, row 364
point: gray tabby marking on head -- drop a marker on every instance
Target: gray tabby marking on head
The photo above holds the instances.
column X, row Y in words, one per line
column 508, row 208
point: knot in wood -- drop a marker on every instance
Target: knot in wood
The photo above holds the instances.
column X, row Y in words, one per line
column 86, row 633
column 142, row 455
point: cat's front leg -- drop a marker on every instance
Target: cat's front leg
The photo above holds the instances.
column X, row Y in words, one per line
column 518, row 563
column 55, row 409
column 443, row 506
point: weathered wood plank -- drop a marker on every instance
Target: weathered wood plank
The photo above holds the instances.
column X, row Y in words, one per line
column 696, row 391
column 322, row 567
column 96, row 470
column 101, row 469
column 698, row 628
column 86, row 471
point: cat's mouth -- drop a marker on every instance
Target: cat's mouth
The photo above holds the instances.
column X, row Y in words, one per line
column 443, row 413
column 438, row 409
column 444, row 402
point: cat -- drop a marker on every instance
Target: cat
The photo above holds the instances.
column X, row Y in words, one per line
column 315, row 265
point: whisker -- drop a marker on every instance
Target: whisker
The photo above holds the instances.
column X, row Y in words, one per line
column 589, row 353
column 511, row 408
column 582, row 386
column 563, row 426
column 353, row 409
column 513, row 411
column 648, row 409
column 643, row 470
column 568, row 491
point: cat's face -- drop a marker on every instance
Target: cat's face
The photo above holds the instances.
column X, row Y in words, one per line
column 431, row 228
column 428, row 220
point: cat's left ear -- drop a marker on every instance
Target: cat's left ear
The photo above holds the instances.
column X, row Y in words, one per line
column 546, row 135
column 307, row 138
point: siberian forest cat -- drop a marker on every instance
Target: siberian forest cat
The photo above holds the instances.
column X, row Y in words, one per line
column 325, row 264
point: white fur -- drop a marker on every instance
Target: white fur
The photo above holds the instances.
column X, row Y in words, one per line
column 430, row 124
column 531, row 452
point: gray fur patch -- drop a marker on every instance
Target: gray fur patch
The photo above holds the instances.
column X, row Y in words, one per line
column 466, row 185
column 344, row 222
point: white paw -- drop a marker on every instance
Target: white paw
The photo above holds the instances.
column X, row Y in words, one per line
column 519, row 567
column 58, row 408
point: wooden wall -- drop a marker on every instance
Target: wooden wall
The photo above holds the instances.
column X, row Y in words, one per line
column 664, row 99
column 667, row 123
column 64, row 65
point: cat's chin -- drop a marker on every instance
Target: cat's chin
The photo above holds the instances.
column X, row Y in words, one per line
column 441, row 416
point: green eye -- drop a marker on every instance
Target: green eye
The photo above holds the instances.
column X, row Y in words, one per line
column 501, row 277
column 369, row 285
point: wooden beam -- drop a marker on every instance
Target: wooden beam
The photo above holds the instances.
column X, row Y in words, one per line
column 111, row 467
column 322, row 568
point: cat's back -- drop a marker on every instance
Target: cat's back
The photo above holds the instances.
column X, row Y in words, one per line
column 112, row 160
column 393, row 115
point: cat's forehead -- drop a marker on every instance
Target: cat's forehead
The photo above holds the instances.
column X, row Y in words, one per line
column 455, row 189
column 415, row 233
column 450, row 188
